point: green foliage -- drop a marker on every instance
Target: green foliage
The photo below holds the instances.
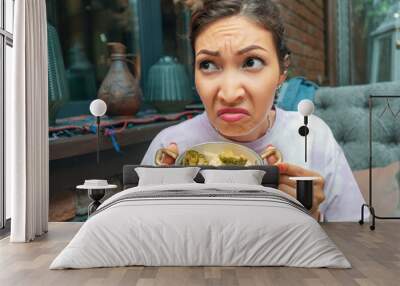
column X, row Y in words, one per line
column 372, row 11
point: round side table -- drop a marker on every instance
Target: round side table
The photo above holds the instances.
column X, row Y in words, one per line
column 95, row 193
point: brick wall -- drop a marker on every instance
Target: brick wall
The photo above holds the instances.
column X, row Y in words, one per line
column 305, row 30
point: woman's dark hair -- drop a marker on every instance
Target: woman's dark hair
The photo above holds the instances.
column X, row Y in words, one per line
column 263, row 12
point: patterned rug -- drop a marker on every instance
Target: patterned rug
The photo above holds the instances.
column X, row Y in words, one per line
column 86, row 124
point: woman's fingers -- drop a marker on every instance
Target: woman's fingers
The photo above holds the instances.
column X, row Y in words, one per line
column 290, row 170
column 284, row 179
column 319, row 196
column 287, row 189
column 294, row 170
column 318, row 183
column 168, row 155
column 271, row 155
column 173, row 147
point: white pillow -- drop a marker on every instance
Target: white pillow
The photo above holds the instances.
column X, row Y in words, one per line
column 249, row 177
column 163, row 176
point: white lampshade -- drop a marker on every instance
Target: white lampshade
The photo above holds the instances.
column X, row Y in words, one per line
column 305, row 107
column 98, row 107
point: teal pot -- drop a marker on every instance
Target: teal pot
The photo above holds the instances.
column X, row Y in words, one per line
column 168, row 87
column 58, row 91
column 80, row 74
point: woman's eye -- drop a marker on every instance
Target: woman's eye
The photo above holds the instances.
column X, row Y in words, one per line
column 208, row 66
column 253, row 63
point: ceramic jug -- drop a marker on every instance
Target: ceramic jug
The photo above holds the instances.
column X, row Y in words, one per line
column 120, row 89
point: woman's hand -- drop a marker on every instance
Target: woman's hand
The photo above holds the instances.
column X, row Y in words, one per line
column 167, row 156
column 271, row 155
column 288, row 186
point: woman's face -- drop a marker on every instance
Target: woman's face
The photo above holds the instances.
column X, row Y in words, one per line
column 236, row 74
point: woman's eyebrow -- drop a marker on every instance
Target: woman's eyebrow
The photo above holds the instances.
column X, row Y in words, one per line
column 250, row 48
column 208, row 52
column 242, row 51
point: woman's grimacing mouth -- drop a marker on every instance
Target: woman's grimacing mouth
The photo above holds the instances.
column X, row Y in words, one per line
column 232, row 114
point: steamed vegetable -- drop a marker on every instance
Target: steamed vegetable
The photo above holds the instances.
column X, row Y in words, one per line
column 194, row 158
column 228, row 158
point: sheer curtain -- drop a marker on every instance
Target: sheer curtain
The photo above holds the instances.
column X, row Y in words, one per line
column 27, row 158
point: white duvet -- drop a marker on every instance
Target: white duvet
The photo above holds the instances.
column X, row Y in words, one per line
column 183, row 231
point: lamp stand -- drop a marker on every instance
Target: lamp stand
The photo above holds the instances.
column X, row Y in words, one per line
column 98, row 139
column 303, row 131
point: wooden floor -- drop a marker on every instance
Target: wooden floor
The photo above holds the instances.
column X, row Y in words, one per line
column 375, row 257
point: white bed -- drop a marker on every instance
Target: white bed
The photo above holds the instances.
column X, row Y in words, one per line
column 201, row 224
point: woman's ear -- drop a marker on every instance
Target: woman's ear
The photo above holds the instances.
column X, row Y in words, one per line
column 282, row 78
column 286, row 64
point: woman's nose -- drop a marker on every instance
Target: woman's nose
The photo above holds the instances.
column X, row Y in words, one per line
column 231, row 92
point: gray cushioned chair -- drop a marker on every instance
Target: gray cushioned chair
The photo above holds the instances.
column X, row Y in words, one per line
column 345, row 110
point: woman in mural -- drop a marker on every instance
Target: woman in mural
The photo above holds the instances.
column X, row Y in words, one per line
column 241, row 60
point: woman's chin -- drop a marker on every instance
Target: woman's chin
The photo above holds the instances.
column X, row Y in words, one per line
column 232, row 132
column 234, row 129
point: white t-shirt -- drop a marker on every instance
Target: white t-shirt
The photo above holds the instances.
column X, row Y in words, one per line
column 343, row 198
